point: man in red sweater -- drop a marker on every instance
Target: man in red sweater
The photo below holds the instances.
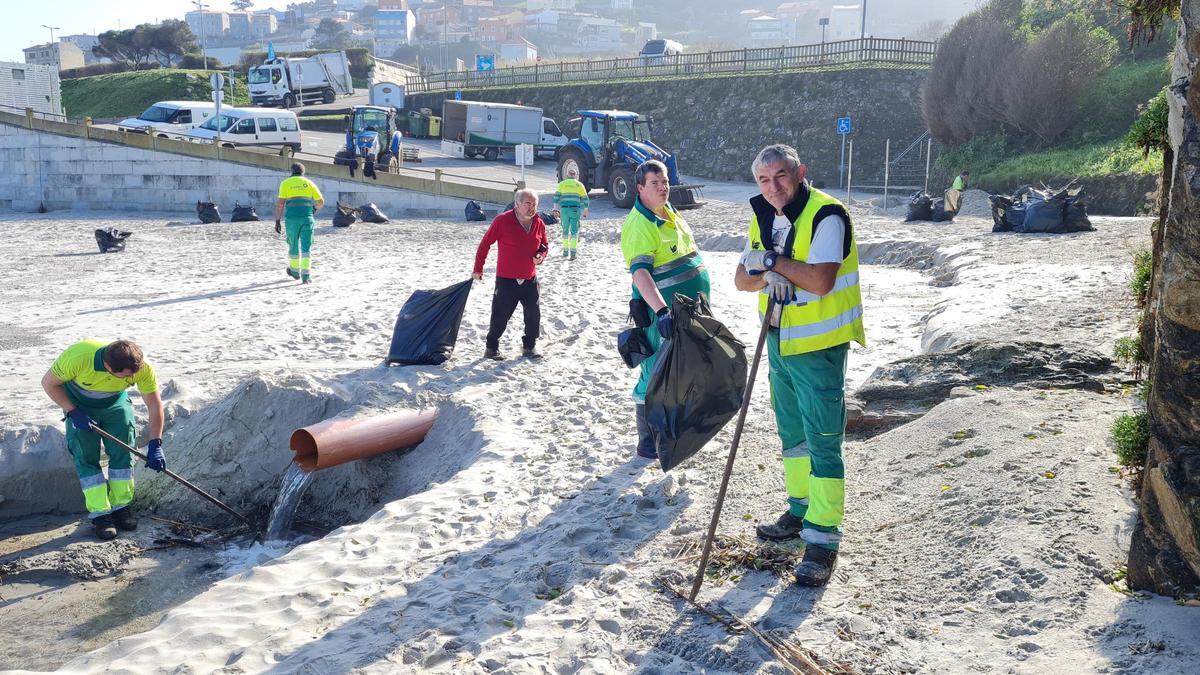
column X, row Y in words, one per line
column 522, row 246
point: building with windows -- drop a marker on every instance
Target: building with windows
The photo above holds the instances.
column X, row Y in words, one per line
column 520, row 51
column 60, row 55
column 207, row 24
column 85, row 44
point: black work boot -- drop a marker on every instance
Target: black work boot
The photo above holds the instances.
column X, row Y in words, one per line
column 531, row 354
column 105, row 528
column 787, row 527
column 645, row 447
column 493, row 354
column 125, row 519
column 293, row 273
column 817, row 566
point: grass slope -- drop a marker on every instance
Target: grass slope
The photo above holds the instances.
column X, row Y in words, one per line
column 128, row 94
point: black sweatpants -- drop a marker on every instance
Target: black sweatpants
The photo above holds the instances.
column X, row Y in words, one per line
column 504, row 303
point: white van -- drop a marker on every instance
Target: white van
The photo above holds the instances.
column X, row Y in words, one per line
column 655, row 50
column 170, row 117
column 251, row 126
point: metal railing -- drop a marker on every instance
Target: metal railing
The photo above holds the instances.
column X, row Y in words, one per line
column 846, row 53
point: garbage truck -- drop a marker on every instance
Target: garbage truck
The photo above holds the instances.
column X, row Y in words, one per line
column 284, row 82
column 481, row 129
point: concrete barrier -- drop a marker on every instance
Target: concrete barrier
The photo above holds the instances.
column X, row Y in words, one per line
column 56, row 165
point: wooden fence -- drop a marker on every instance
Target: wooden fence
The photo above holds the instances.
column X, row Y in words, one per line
column 864, row 52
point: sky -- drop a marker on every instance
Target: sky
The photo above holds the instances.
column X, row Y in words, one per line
column 23, row 22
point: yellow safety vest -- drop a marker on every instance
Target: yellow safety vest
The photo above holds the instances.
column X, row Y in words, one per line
column 812, row 322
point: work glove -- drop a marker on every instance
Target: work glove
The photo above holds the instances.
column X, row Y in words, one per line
column 155, row 459
column 80, row 419
column 278, row 227
column 757, row 262
column 779, row 287
column 666, row 325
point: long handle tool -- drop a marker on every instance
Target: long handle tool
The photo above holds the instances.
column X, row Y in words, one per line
column 733, row 447
column 182, row 480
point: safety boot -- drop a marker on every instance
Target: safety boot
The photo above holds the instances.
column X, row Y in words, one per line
column 293, row 273
column 787, row 527
column 125, row 519
column 105, row 528
column 531, row 354
column 493, row 354
column 817, row 566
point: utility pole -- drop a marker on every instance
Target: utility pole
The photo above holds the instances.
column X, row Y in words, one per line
column 200, row 6
column 862, row 30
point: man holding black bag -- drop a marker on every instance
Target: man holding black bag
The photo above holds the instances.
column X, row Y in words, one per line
column 660, row 252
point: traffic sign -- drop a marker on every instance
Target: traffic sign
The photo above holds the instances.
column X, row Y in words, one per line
column 485, row 62
column 843, row 125
column 458, row 96
column 217, row 81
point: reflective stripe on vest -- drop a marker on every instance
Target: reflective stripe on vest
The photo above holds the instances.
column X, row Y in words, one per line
column 811, row 322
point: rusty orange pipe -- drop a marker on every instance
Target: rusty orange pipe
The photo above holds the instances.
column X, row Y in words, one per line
column 337, row 441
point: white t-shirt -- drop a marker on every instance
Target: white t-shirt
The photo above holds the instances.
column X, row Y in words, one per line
column 826, row 245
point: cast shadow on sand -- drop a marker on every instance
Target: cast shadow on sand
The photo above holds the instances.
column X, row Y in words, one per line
column 494, row 589
column 252, row 288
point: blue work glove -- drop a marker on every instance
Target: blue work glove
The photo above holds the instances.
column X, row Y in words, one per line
column 80, row 419
column 155, row 459
column 757, row 262
column 666, row 325
column 779, row 287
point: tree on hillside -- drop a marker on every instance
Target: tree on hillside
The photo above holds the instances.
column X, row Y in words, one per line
column 137, row 47
column 170, row 40
column 331, row 34
column 242, row 5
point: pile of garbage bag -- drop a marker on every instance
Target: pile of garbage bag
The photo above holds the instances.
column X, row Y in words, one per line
column 1030, row 210
column 111, row 240
column 474, row 212
column 371, row 214
column 208, row 212
column 924, row 207
column 243, row 214
column 345, row 215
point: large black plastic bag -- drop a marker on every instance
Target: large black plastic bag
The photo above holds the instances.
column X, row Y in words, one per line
column 371, row 214
column 344, row 215
column 474, row 212
column 697, row 382
column 939, row 213
column 920, row 207
column 427, row 326
column 1075, row 218
column 208, row 212
column 1000, row 206
column 1043, row 213
column 243, row 214
column 111, row 240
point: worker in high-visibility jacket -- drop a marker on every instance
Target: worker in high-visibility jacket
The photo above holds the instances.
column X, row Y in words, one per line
column 88, row 381
column 802, row 260
column 299, row 200
column 570, row 205
column 661, row 255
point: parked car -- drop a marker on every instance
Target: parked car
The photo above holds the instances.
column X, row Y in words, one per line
column 170, row 117
column 249, row 127
column 654, row 51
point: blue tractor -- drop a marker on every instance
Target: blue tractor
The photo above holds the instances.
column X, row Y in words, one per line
column 373, row 135
column 607, row 145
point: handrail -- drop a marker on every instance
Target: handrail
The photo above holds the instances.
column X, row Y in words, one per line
column 911, row 147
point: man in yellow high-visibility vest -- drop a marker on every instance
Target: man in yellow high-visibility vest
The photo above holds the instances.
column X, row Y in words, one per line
column 299, row 200
column 802, row 260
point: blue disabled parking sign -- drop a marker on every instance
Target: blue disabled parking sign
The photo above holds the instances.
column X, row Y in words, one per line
column 843, row 125
column 485, row 62
column 458, row 96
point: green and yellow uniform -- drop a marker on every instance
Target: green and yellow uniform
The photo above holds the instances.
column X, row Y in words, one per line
column 102, row 396
column 300, row 197
column 959, row 183
column 666, row 248
column 807, row 352
column 571, row 198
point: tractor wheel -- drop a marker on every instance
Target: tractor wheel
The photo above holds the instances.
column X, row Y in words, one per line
column 387, row 162
column 620, row 188
column 491, row 154
column 288, row 101
column 344, row 158
column 328, row 96
column 571, row 158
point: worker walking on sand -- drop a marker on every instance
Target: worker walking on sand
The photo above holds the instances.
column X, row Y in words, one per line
column 299, row 200
column 520, row 235
column 661, row 255
column 88, row 381
column 570, row 205
column 801, row 254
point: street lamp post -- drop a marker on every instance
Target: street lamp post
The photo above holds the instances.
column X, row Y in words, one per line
column 862, row 30
column 52, row 29
column 200, row 6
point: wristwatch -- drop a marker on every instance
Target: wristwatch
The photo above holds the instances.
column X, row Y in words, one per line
column 769, row 259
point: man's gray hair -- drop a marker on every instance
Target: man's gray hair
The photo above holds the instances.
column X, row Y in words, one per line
column 519, row 195
column 775, row 153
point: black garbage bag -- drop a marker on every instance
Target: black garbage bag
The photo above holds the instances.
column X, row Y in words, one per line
column 474, row 212
column 920, row 207
column 243, row 214
column 344, row 216
column 1075, row 217
column 111, row 240
column 633, row 346
column 697, row 382
column 427, row 326
column 371, row 214
column 938, row 212
column 208, row 212
column 548, row 218
column 1043, row 213
column 1000, row 206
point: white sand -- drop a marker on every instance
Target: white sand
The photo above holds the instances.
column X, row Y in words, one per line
column 529, row 542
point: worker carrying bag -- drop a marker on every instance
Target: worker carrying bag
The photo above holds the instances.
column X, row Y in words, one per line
column 427, row 326
column 208, row 212
column 697, row 383
column 111, row 240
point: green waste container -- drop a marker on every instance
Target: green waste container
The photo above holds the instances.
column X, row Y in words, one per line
column 418, row 126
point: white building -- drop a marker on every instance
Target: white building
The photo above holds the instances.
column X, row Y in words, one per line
column 644, row 32
column 556, row 5
column 769, row 31
column 60, row 55
column 520, row 51
column 845, row 22
column 263, row 23
column 85, row 44
column 600, row 34
column 622, row 5
column 207, row 24
column 26, row 85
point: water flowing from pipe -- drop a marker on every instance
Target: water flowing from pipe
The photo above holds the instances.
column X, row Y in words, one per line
column 291, row 490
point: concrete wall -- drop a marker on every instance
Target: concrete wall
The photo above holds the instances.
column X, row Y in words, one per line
column 64, row 166
column 716, row 125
